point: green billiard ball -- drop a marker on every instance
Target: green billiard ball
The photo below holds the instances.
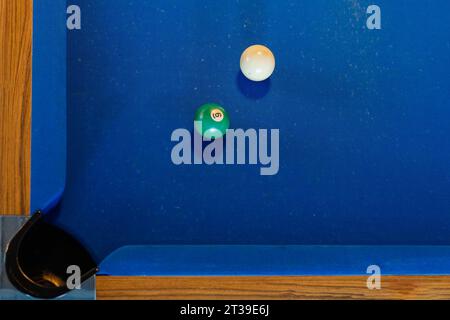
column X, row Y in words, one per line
column 211, row 121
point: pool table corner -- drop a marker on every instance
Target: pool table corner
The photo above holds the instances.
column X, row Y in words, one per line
column 15, row 123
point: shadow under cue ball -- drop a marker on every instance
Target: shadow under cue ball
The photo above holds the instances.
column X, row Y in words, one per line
column 257, row 63
column 211, row 121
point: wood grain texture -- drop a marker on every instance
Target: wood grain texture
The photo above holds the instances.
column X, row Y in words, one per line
column 15, row 119
column 270, row 288
column 15, row 105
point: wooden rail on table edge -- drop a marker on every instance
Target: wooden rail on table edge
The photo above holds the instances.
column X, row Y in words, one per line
column 270, row 288
column 15, row 105
column 15, row 120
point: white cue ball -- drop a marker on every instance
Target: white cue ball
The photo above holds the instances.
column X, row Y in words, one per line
column 257, row 63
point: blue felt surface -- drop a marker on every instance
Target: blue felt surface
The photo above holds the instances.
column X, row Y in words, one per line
column 49, row 101
column 363, row 118
column 276, row 260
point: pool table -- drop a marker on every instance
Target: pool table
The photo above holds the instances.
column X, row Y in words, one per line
column 361, row 158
